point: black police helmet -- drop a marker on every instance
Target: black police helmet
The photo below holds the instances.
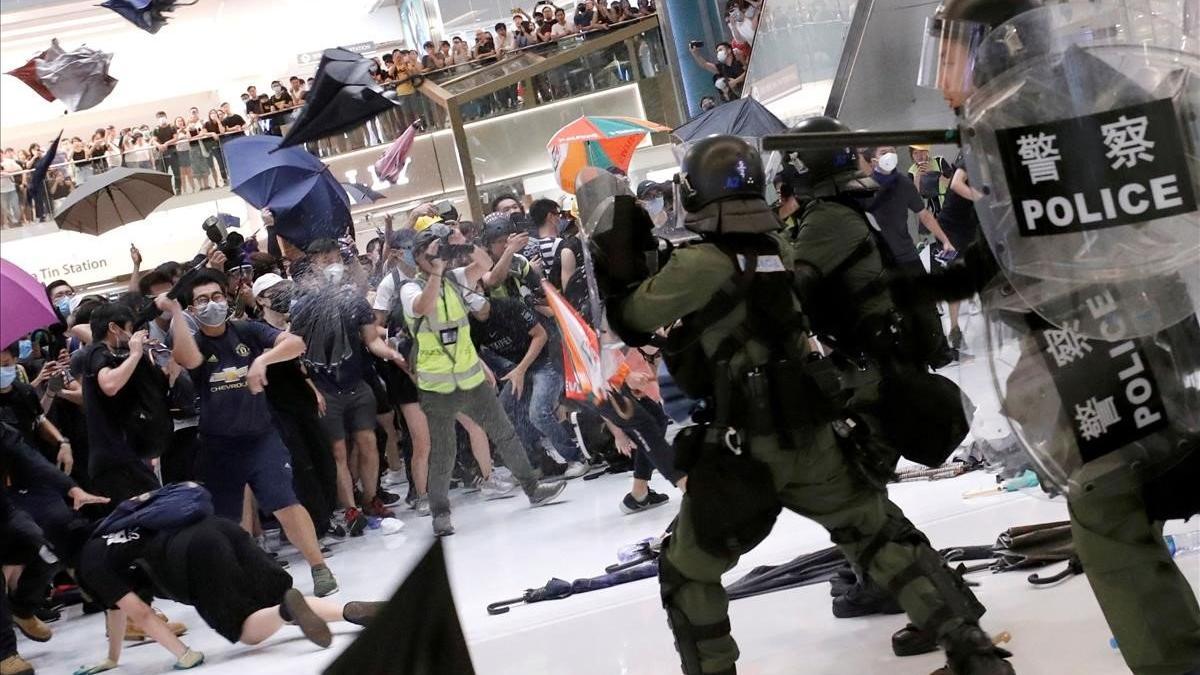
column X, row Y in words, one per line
column 719, row 168
column 988, row 12
column 822, row 164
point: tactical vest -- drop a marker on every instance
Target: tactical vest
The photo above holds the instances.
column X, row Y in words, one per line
column 445, row 358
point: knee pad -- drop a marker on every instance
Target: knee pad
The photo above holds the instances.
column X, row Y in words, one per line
column 687, row 635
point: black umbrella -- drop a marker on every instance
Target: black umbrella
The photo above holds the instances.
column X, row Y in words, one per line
column 111, row 199
column 149, row 15
column 343, row 96
column 37, row 181
column 361, row 194
column 743, row 117
column 416, row 633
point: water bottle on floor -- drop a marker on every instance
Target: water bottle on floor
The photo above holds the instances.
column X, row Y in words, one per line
column 1185, row 543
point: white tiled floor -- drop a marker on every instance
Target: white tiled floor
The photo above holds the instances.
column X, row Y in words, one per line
column 504, row 547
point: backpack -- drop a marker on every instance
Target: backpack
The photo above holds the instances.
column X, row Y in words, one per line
column 171, row 507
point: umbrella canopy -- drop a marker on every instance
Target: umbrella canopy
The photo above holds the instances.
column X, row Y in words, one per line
column 37, row 180
column 269, row 179
column 361, row 194
column 78, row 78
column 743, row 117
column 25, row 308
column 604, row 142
column 323, row 213
column 149, row 15
column 583, row 367
column 112, row 199
column 389, row 166
column 343, row 95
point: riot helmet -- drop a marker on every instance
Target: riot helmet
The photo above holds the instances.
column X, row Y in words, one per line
column 819, row 172
column 719, row 168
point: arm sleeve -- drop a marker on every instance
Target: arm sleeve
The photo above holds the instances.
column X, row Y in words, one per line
column 384, row 294
column 915, row 203
column 827, row 238
column 686, row 283
column 27, row 465
column 263, row 335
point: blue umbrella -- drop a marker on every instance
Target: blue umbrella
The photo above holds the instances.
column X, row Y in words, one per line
column 323, row 213
column 743, row 117
column 266, row 179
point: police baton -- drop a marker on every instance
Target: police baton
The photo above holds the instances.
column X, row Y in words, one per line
column 833, row 140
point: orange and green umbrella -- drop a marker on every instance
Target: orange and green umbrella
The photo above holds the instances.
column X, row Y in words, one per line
column 602, row 142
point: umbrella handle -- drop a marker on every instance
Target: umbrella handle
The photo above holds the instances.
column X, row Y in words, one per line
column 503, row 606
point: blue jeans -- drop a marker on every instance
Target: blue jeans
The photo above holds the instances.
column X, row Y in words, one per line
column 533, row 415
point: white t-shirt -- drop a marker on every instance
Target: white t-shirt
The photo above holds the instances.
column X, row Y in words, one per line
column 410, row 292
column 385, row 295
column 560, row 30
column 9, row 167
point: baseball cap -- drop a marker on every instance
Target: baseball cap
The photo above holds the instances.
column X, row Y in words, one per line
column 919, row 147
column 646, row 186
column 424, row 222
column 265, row 282
column 495, row 225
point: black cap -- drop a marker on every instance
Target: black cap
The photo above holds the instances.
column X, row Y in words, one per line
column 646, row 186
column 719, row 168
column 495, row 225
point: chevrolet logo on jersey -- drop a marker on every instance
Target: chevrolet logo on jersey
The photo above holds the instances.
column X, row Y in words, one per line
column 228, row 378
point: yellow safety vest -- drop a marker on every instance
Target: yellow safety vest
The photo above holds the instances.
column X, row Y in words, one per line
column 443, row 368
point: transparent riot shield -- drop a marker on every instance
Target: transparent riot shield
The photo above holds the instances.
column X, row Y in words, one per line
column 1082, row 143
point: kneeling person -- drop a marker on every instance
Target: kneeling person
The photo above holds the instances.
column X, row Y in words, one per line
column 239, row 445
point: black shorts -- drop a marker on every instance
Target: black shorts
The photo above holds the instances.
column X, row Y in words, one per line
column 347, row 412
column 401, row 390
column 124, row 481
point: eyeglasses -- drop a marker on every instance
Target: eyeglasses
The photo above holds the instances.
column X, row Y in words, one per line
column 201, row 301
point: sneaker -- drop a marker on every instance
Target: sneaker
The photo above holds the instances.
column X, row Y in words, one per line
column 33, row 628
column 376, row 508
column 503, row 474
column 442, row 527
column 388, row 498
column 547, row 492
column 190, row 659
column 15, row 665
column 355, row 522
column 494, row 488
column 652, row 499
column 575, row 470
column 361, row 613
column 550, row 467
column 422, row 506
column 49, row 613
column 956, row 338
column 323, row 582
column 392, row 478
column 337, row 530
column 303, row 616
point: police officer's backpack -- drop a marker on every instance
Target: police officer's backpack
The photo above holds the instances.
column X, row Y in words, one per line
column 169, row 508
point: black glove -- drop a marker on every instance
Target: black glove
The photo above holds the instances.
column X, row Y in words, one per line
column 622, row 255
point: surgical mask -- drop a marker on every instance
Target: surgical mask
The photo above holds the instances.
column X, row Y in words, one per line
column 26, row 348
column 277, row 89
column 213, row 314
column 63, row 305
column 162, row 121
column 655, row 206
column 722, row 54
column 7, row 375
column 887, row 163
column 335, row 273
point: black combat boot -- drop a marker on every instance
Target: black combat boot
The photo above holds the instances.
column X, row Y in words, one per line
column 969, row 651
column 911, row 641
column 864, row 599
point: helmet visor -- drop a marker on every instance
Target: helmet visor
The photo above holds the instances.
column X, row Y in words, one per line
column 948, row 54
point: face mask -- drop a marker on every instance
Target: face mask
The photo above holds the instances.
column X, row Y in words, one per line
column 887, row 163
column 655, row 206
column 63, row 305
column 7, row 375
column 162, row 121
column 722, row 54
column 213, row 314
column 736, row 15
column 409, row 259
column 335, row 273
column 26, row 349
column 564, row 223
column 277, row 89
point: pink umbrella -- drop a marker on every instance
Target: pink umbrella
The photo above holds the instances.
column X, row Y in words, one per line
column 391, row 164
column 25, row 308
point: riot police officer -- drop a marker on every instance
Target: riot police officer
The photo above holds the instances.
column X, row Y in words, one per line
column 767, row 441
column 1084, row 314
column 897, row 407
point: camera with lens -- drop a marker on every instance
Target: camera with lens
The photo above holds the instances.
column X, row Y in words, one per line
column 228, row 243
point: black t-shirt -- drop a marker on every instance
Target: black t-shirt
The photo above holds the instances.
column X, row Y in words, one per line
column 310, row 321
column 227, row 408
column 281, row 100
column 21, row 408
column 731, row 72
column 107, row 570
column 164, row 134
column 233, row 120
column 108, row 445
column 890, row 208
column 254, row 106
column 212, row 127
column 958, row 215
column 506, row 332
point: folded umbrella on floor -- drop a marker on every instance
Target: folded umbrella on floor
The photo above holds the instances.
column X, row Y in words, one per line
column 808, row 569
column 114, row 198
column 557, row 589
column 343, row 96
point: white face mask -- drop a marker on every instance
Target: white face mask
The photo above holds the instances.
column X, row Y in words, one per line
column 655, row 206
column 335, row 273
column 887, row 163
column 722, row 54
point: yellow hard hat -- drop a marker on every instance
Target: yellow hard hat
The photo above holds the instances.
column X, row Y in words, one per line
column 424, row 222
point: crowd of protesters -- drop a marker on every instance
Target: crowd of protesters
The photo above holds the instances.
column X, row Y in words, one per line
column 317, row 395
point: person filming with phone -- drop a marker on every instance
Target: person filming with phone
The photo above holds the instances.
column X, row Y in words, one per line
column 728, row 73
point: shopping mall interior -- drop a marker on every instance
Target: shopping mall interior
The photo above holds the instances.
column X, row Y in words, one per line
column 219, row 276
